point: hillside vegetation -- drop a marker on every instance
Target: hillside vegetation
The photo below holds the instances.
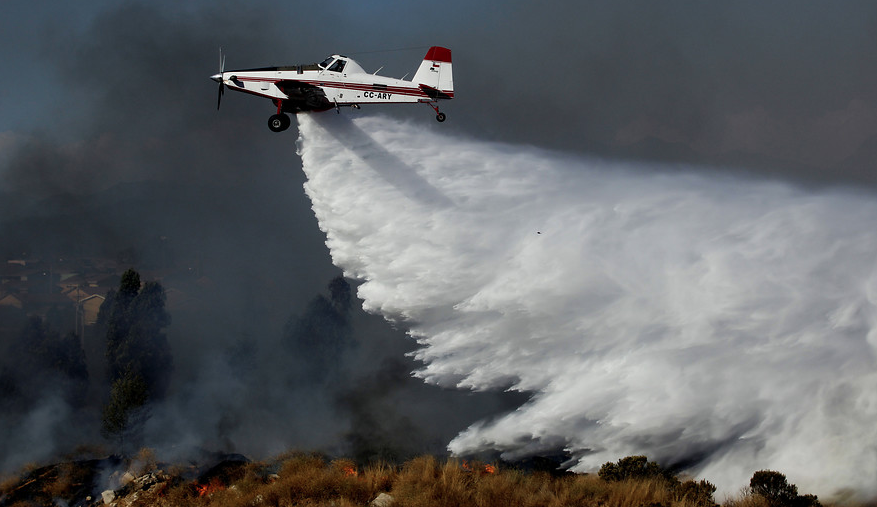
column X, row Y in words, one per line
column 314, row 480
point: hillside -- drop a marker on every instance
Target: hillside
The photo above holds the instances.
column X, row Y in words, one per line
column 314, row 480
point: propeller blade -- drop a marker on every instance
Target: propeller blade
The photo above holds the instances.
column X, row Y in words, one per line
column 219, row 78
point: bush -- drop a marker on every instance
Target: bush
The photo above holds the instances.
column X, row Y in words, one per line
column 697, row 493
column 631, row 467
column 776, row 490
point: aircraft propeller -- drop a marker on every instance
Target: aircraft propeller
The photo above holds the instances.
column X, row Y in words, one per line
column 219, row 79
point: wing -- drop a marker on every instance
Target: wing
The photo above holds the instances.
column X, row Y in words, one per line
column 303, row 96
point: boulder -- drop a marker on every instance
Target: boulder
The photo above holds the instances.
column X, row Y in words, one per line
column 108, row 496
column 383, row 500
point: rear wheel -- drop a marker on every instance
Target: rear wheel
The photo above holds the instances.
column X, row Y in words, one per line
column 440, row 117
column 278, row 122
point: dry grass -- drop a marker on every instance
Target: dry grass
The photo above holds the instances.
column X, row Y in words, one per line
column 8, row 483
column 745, row 499
column 143, row 462
column 312, row 480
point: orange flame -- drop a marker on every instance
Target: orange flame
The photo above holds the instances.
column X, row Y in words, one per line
column 208, row 489
column 345, row 466
column 480, row 468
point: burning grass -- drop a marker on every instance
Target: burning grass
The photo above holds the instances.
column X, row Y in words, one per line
column 425, row 481
column 312, row 480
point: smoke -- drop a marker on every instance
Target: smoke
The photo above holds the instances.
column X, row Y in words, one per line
column 139, row 170
column 721, row 325
column 37, row 432
column 115, row 145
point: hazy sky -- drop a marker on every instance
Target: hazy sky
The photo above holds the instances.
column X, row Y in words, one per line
column 787, row 88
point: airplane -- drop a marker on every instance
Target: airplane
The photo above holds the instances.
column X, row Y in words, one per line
column 339, row 82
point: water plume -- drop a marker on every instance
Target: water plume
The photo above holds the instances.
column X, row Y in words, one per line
column 721, row 325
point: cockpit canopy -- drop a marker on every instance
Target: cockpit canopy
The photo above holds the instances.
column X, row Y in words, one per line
column 340, row 63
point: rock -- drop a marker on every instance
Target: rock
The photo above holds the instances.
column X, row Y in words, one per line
column 383, row 500
column 126, row 479
column 108, row 496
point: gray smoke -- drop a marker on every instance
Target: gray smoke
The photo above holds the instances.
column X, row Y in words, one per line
column 138, row 167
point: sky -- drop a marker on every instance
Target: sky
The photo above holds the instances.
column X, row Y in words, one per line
column 103, row 95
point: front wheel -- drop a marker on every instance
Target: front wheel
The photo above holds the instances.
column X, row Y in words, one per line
column 278, row 122
column 440, row 117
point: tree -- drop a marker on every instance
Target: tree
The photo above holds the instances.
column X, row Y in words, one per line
column 48, row 362
column 339, row 291
column 134, row 319
column 126, row 412
column 630, row 467
column 773, row 487
column 322, row 333
column 68, row 359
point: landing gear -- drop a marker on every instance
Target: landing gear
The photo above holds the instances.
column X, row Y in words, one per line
column 440, row 116
column 279, row 122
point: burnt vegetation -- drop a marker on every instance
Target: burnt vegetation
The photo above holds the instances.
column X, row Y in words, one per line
column 318, row 480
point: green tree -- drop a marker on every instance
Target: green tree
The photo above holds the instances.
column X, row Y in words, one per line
column 68, row 359
column 321, row 334
column 773, row 487
column 48, row 361
column 339, row 291
column 134, row 319
column 126, row 412
column 631, row 467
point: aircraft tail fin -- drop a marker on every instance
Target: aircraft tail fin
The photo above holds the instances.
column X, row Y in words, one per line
column 435, row 73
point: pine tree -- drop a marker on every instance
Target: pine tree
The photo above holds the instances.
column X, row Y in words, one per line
column 135, row 321
column 49, row 362
column 126, row 412
column 322, row 333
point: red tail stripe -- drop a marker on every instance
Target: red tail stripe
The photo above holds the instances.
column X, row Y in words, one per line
column 438, row 54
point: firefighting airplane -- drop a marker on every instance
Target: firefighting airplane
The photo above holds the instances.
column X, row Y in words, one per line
column 339, row 81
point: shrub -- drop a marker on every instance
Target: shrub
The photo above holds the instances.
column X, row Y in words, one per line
column 696, row 493
column 631, row 467
column 776, row 490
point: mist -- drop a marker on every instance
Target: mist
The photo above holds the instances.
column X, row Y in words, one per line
column 720, row 325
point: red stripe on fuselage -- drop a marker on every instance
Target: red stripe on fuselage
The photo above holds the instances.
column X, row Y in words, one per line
column 414, row 92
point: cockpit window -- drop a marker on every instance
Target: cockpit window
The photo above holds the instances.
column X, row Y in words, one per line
column 327, row 61
column 338, row 66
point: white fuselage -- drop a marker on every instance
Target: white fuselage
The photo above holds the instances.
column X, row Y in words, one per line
column 341, row 79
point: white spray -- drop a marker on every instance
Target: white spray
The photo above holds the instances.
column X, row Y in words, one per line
column 673, row 315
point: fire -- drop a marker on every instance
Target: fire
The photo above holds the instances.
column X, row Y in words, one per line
column 208, row 489
column 480, row 468
column 345, row 466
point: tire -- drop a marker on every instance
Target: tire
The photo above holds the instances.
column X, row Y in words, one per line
column 440, row 117
column 278, row 122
